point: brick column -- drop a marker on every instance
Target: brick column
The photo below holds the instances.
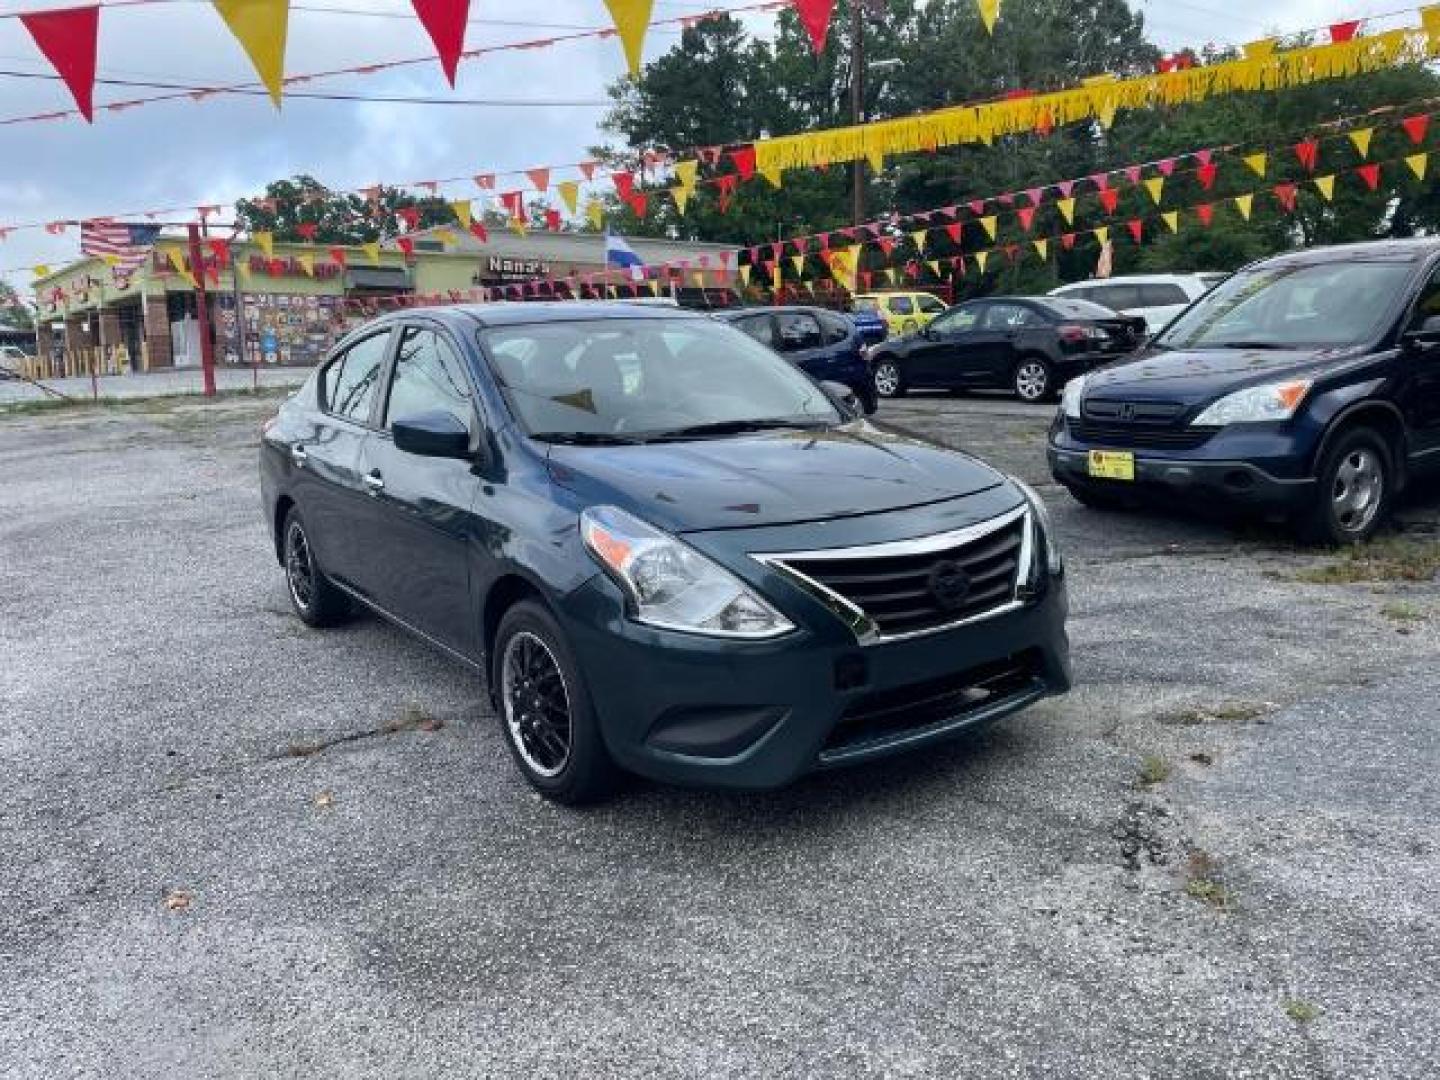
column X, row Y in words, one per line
column 157, row 333
column 44, row 344
column 110, row 335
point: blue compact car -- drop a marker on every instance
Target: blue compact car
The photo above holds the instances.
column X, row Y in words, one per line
column 871, row 324
column 824, row 344
column 667, row 550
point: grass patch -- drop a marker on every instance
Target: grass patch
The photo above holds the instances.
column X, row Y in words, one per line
column 1390, row 559
column 1302, row 1012
column 413, row 718
column 1400, row 611
column 1204, row 883
column 146, row 405
column 1154, row 770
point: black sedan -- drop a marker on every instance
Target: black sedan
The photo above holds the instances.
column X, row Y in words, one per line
column 1031, row 345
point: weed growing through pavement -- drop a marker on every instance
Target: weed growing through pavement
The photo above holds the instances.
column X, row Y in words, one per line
column 1393, row 558
column 1400, row 611
column 1202, row 881
column 1302, row 1012
column 1153, row 770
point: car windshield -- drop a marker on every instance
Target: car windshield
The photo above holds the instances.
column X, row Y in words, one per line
column 635, row 379
column 1319, row 305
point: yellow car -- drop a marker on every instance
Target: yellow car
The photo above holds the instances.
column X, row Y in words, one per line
column 903, row 312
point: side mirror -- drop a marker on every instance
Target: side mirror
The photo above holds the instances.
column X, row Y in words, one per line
column 432, row 434
column 842, row 396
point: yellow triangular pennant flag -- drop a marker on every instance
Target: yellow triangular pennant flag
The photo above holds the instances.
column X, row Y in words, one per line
column 988, row 224
column 918, row 239
column 1326, row 186
column 176, row 259
column 1418, row 163
column 1257, row 163
column 1243, row 203
column 989, row 12
column 595, row 212
column 1042, row 248
column 1430, row 21
column 773, row 174
column 681, row 195
column 1361, row 140
column 570, row 194
column 372, row 252
column 1103, row 235
column 685, row 172
column 1172, row 219
column 461, row 209
column 798, row 261
column 519, row 226
column 1156, row 187
column 445, row 236
column 260, row 27
column 307, row 263
column 981, row 258
column 934, row 265
column 745, row 274
column 1067, row 210
column 776, row 280
column 631, row 17
column 876, row 159
column 265, row 241
column 1260, row 50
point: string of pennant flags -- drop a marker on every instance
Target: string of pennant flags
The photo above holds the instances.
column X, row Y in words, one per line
column 841, row 253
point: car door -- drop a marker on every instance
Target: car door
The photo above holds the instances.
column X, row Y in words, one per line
column 420, row 521
column 939, row 355
column 328, row 488
column 1418, row 382
column 992, row 351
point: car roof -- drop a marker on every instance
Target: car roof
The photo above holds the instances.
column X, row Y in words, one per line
column 1126, row 279
column 1411, row 249
column 522, row 314
column 768, row 309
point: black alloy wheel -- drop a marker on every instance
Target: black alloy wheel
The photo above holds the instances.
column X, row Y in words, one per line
column 314, row 598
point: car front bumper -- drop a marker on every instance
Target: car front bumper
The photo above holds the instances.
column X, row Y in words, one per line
column 1234, row 481
column 708, row 712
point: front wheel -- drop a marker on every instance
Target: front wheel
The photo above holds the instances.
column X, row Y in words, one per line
column 888, row 383
column 1033, row 381
column 1354, row 486
column 545, row 711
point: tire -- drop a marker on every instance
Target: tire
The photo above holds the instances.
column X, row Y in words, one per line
column 1355, row 484
column 544, row 709
column 313, row 596
column 1095, row 500
column 1032, row 380
column 888, row 381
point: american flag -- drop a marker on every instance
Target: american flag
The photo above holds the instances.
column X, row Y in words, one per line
column 122, row 246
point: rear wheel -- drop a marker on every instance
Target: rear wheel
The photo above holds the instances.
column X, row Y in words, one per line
column 545, row 711
column 1032, row 380
column 315, row 599
column 1355, row 483
column 888, row 383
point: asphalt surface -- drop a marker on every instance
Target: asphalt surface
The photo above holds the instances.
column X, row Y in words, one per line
column 232, row 846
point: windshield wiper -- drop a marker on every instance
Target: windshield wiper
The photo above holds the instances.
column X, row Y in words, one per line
column 737, row 427
column 586, row 438
column 1250, row 345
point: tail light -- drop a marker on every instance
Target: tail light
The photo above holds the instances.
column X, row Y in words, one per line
column 1075, row 334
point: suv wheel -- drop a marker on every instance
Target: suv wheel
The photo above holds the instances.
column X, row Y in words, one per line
column 315, row 599
column 1353, row 490
column 887, row 379
column 545, row 711
column 1032, row 379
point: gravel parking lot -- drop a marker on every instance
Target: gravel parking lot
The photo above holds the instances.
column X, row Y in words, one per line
column 232, row 846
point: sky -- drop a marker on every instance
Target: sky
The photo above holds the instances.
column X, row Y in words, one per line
column 224, row 148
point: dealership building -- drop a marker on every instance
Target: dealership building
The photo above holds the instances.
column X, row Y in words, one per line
column 290, row 305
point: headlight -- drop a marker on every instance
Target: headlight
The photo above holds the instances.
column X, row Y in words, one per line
column 1044, row 537
column 1070, row 399
column 1273, row 401
column 673, row 586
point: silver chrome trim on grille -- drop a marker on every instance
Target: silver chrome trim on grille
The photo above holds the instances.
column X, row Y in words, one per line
column 862, row 625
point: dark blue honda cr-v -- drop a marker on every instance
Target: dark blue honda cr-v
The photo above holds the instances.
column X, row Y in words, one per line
column 668, row 550
column 1305, row 386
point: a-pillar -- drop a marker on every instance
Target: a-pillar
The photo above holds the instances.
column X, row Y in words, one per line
column 159, row 349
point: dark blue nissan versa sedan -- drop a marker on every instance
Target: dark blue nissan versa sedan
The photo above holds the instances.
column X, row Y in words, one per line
column 668, row 550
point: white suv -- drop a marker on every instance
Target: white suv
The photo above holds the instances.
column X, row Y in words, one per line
column 1157, row 298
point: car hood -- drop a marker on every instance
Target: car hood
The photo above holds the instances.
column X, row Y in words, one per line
column 770, row 478
column 1193, row 374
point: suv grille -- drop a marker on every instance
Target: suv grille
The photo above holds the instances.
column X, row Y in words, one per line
column 1140, row 436
column 935, row 585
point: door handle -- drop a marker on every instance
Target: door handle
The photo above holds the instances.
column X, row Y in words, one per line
column 374, row 481
column 298, row 455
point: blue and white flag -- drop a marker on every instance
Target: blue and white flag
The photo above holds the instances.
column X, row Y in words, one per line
column 618, row 252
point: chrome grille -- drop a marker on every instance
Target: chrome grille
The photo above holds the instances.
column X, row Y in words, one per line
column 910, row 587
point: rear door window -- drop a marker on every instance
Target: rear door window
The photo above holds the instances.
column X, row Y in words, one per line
column 836, row 327
column 350, row 381
column 1162, row 296
column 1010, row 317
column 901, row 305
column 929, row 305
column 799, row 330
column 1116, row 297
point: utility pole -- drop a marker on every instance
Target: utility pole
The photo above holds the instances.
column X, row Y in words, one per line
column 857, row 107
column 202, row 314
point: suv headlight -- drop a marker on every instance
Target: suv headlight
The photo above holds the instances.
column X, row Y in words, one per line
column 1273, row 401
column 1070, row 397
column 1044, row 538
column 672, row 586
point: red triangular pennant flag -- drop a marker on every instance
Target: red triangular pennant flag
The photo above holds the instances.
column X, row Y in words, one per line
column 221, row 248
column 1132, row 173
column 1026, row 214
column 639, row 203
column 1285, row 193
column 1206, row 175
column 1344, row 31
column 539, row 177
column 410, row 216
column 1308, row 152
column 1110, row 199
column 406, row 245
column 1101, row 181
column 444, row 21
column 815, row 17
column 744, row 159
column 953, row 231
column 1166, row 166
column 1137, row 229
column 1067, row 241
column 887, row 244
column 726, row 187
column 68, row 39
column 307, row 230
column 1370, row 174
column 478, row 231
column 553, row 220
column 1416, row 126
column 977, row 207
column 1206, row 213
column 1203, row 156
column 1067, row 187
column 624, row 184
column 1035, row 194
column 337, row 254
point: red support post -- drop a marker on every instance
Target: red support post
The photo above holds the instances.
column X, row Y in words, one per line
column 202, row 313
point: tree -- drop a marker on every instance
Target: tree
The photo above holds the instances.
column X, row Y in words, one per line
column 13, row 310
column 338, row 218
